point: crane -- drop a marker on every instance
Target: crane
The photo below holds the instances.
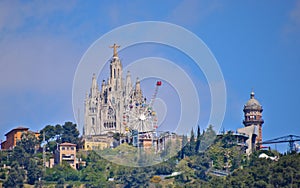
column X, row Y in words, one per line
column 291, row 139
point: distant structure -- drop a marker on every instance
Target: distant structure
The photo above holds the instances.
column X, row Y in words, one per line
column 253, row 115
column 250, row 136
column 15, row 135
column 118, row 112
column 66, row 152
column 104, row 108
column 253, row 123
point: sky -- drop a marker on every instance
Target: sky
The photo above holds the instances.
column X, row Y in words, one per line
column 256, row 44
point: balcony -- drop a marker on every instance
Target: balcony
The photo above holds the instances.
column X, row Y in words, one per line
column 68, row 157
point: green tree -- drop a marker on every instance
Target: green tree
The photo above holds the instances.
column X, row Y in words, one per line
column 60, row 183
column 184, row 147
column 28, row 142
column 192, row 144
column 34, row 172
column 15, row 178
column 59, row 131
column 70, row 133
column 198, row 141
column 19, row 155
column 52, row 136
column 50, row 133
column 207, row 138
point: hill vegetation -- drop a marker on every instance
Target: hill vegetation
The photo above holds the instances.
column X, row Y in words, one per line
column 203, row 161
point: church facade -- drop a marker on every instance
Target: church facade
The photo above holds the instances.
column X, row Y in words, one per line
column 106, row 106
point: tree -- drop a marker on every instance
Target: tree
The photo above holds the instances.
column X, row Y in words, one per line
column 59, row 131
column 184, row 147
column 49, row 131
column 192, row 143
column 207, row 138
column 19, row 155
column 60, row 183
column 198, row 141
column 58, row 134
column 34, row 172
column 28, row 142
column 70, row 133
column 16, row 177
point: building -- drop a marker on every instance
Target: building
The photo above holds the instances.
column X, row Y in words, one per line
column 66, row 152
column 235, row 139
column 249, row 136
column 15, row 135
column 109, row 109
column 97, row 142
column 253, row 123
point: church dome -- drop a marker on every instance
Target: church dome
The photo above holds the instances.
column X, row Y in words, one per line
column 252, row 103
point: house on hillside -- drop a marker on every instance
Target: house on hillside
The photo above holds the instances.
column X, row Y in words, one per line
column 15, row 135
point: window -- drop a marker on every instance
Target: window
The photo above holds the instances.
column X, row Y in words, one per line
column 62, row 148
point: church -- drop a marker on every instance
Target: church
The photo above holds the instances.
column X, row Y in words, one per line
column 106, row 108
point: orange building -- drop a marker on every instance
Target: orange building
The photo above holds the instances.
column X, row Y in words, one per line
column 66, row 152
column 13, row 136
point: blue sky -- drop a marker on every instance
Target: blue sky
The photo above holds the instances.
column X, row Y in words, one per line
column 256, row 44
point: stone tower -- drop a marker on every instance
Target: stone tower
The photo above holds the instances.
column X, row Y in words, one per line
column 253, row 116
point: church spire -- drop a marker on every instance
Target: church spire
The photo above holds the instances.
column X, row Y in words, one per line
column 138, row 91
column 115, row 70
column 94, row 88
column 128, row 84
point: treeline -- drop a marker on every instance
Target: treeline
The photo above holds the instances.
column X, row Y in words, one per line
column 194, row 163
column 26, row 159
column 57, row 134
column 265, row 173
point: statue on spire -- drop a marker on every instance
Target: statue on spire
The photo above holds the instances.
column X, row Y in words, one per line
column 115, row 46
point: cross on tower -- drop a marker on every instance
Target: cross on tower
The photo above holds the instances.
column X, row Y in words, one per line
column 115, row 46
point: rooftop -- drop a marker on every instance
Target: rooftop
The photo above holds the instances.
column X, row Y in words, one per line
column 17, row 129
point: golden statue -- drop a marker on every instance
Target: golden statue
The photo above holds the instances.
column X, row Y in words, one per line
column 115, row 46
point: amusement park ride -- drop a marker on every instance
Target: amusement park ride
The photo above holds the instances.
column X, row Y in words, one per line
column 291, row 139
column 140, row 120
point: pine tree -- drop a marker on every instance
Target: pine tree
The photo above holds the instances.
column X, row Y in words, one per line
column 192, row 144
column 198, row 141
column 184, row 147
column 208, row 137
column 70, row 133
